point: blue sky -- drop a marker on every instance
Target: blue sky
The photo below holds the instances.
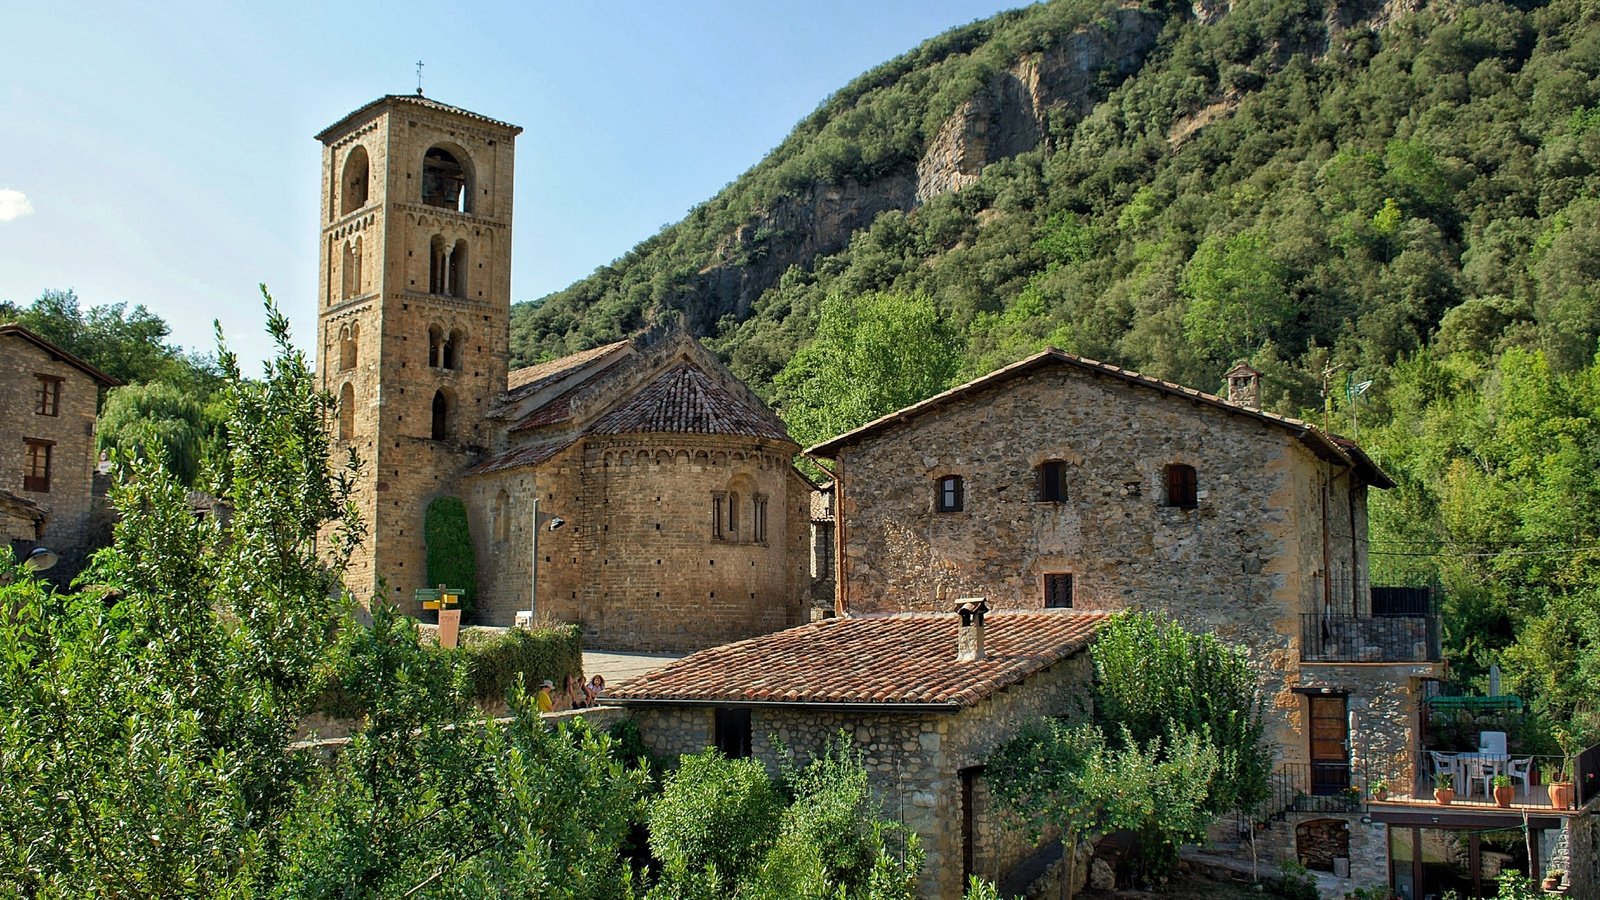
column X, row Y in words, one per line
column 162, row 153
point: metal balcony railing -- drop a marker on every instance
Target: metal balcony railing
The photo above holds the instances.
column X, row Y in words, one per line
column 1332, row 637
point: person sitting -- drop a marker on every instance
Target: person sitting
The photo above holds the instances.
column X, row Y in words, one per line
column 543, row 699
column 577, row 697
column 593, row 690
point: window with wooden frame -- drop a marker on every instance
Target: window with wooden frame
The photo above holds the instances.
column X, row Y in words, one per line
column 36, row 466
column 48, row 400
column 1058, row 590
column 950, row 497
column 1052, row 481
column 1183, row 486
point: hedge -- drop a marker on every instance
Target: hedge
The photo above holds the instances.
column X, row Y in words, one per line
column 495, row 660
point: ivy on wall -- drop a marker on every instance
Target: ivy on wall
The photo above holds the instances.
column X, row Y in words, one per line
column 451, row 559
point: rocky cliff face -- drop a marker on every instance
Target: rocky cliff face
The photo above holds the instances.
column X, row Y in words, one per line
column 1008, row 116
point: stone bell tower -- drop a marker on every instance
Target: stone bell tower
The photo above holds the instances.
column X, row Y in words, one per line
column 413, row 311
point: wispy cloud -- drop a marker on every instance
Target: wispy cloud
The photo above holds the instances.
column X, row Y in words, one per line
column 14, row 204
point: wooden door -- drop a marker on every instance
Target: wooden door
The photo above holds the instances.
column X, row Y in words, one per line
column 1330, row 744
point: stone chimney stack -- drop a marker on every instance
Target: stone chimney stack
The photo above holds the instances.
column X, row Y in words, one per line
column 969, row 637
column 1244, row 385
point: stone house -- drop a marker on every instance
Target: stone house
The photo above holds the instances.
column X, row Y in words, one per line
column 680, row 521
column 48, row 396
column 925, row 698
column 1064, row 482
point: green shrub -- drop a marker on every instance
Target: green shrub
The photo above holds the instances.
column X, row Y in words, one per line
column 451, row 559
column 495, row 660
column 715, row 814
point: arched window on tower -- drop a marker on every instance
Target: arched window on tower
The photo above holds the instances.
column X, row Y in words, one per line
column 435, row 346
column 458, row 270
column 438, row 265
column 353, row 182
column 355, row 278
column 347, row 272
column 441, row 416
column 348, row 336
column 444, row 181
column 455, row 347
column 347, row 412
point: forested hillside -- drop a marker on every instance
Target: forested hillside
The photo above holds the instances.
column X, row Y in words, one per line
column 1403, row 194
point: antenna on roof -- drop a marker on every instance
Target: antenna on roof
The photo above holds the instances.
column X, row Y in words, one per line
column 419, row 78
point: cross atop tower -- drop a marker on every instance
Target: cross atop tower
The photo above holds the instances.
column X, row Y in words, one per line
column 419, row 78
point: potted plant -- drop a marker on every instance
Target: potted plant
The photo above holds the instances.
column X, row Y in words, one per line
column 1560, row 786
column 1379, row 788
column 1552, row 880
column 1503, row 791
column 1444, row 789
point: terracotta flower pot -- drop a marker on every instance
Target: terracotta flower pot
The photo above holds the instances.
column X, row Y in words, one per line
column 1444, row 795
column 1503, row 795
column 1380, row 794
column 1561, row 794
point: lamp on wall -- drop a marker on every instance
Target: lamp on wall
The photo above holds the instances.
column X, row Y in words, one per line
column 40, row 559
column 541, row 521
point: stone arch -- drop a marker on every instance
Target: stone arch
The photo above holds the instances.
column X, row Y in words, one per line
column 447, row 178
column 347, row 412
column 353, row 180
column 438, row 265
column 435, row 346
column 1319, row 842
column 702, row 457
column 456, row 269
column 681, row 455
column 444, row 404
column 348, row 336
column 455, row 347
column 502, row 517
column 719, row 458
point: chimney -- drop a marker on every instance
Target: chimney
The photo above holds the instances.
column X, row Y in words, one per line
column 1244, row 385
column 969, row 637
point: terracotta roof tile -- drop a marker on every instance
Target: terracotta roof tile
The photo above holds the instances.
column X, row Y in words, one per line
column 528, row 455
column 686, row 399
column 531, row 378
column 895, row 659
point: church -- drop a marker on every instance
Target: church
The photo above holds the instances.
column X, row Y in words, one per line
column 638, row 489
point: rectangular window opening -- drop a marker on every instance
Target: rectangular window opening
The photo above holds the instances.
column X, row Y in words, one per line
column 48, row 400
column 1058, row 591
column 733, row 732
column 36, row 467
column 950, row 494
column 1052, row 481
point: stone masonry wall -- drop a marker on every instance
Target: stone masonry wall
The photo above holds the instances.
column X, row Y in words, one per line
column 72, row 456
column 914, row 761
column 636, row 562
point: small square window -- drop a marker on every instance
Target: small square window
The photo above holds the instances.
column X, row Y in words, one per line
column 1183, row 486
column 1058, row 591
column 1052, row 481
column 950, row 497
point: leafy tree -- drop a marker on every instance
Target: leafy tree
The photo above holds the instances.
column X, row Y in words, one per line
column 872, row 355
column 130, row 345
column 158, row 420
column 715, row 819
column 1237, row 295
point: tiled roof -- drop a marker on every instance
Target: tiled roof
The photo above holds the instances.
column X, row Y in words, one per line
column 1314, row 439
column 528, row 455
column 58, row 353
column 414, row 100
column 533, row 377
column 685, row 399
column 904, row 659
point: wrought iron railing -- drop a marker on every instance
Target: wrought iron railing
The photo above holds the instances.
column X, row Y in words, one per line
column 1333, row 637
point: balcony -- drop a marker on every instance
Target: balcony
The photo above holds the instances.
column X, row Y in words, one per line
column 1332, row 637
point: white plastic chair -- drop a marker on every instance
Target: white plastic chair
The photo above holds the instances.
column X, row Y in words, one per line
column 1447, row 764
column 1493, row 742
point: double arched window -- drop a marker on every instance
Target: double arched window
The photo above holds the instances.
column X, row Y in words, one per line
column 446, row 350
column 447, row 267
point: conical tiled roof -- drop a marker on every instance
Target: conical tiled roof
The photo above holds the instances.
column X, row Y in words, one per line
column 684, row 399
